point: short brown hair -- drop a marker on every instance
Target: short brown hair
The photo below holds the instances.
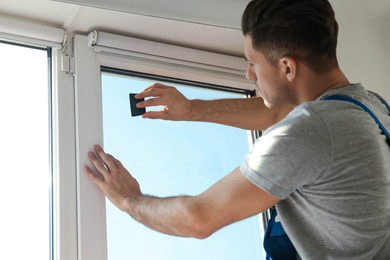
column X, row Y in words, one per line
column 303, row 29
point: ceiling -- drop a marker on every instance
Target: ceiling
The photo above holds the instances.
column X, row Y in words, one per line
column 201, row 24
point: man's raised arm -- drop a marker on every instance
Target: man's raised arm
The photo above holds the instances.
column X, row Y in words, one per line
column 229, row 200
column 250, row 113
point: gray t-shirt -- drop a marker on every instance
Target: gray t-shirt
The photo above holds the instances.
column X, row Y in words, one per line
column 329, row 163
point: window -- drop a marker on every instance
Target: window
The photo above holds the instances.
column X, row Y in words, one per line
column 25, row 194
column 51, row 107
column 126, row 54
column 172, row 158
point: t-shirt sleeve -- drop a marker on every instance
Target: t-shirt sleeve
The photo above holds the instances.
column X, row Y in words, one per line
column 290, row 154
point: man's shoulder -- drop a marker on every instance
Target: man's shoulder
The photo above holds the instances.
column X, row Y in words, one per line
column 302, row 120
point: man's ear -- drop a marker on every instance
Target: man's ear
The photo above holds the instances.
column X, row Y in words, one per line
column 289, row 68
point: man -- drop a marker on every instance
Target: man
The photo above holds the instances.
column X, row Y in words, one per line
column 325, row 165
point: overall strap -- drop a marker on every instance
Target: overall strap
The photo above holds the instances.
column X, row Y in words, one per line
column 348, row 99
column 384, row 103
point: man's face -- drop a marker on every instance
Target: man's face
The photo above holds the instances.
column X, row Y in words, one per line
column 268, row 78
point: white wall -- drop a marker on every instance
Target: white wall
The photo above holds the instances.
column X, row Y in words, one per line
column 364, row 53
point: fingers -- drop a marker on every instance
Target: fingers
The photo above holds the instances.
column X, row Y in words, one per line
column 156, row 90
column 176, row 106
column 104, row 167
column 107, row 159
column 117, row 163
column 95, row 178
column 155, row 115
column 151, row 102
column 98, row 164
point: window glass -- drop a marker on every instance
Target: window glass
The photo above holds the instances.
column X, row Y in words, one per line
column 172, row 158
column 25, row 174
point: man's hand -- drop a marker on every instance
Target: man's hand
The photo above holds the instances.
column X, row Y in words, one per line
column 245, row 113
column 116, row 182
column 231, row 199
column 176, row 107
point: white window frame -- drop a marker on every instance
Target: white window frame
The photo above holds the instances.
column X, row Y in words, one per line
column 125, row 53
column 79, row 224
column 64, row 161
column 64, row 219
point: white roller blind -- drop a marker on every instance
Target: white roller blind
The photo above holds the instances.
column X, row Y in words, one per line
column 20, row 31
column 112, row 43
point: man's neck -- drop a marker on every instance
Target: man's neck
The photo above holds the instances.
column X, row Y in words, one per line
column 314, row 85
